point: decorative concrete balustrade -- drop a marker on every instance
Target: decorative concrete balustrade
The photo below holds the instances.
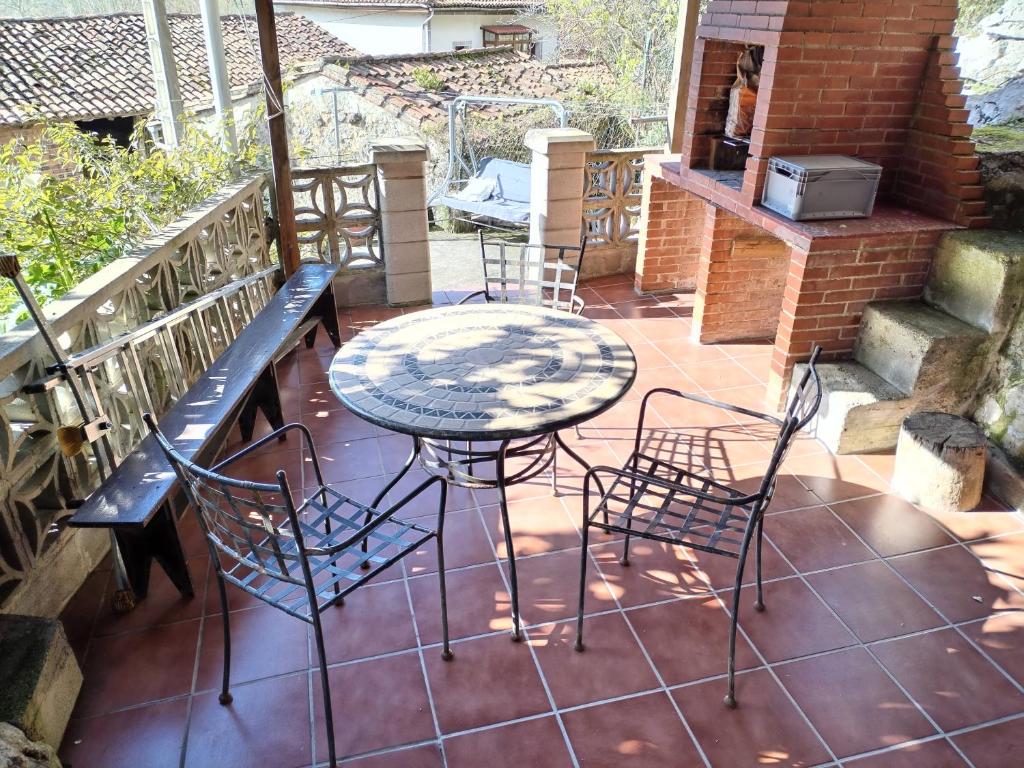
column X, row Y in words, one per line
column 214, row 246
column 612, row 195
column 371, row 219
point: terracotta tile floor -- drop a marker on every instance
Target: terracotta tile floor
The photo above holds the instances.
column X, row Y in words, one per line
column 891, row 637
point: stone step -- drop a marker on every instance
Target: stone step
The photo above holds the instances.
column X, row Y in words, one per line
column 922, row 351
column 975, row 277
column 860, row 412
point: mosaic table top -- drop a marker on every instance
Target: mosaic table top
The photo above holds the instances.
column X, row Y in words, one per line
column 482, row 372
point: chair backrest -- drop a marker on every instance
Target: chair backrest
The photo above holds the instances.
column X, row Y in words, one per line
column 529, row 273
column 250, row 524
column 802, row 406
column 511, row 179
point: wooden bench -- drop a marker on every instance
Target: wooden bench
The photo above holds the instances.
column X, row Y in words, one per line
column 136, row 499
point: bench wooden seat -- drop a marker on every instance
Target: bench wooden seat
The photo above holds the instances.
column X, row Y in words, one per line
column 135, row 498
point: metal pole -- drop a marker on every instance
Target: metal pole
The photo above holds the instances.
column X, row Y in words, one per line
column 287, row 243
column 686, row 34
column 94, row 426
column 214, row 37
column 165, row 75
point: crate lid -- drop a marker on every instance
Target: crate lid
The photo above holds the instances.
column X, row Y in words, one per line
column 825, row 162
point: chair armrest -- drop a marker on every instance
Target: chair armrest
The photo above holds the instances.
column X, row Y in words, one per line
column 686, row 490
column 268, row 438
column 464, row 299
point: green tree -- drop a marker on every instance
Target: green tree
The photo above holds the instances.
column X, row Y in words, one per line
column 634, row 38
column 66, row 225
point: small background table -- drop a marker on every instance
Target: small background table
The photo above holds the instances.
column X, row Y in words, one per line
column 507, row 376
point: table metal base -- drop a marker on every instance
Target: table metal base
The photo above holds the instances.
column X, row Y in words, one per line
column 465, row 464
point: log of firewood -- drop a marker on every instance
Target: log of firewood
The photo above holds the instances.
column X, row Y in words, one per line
column 940, row 462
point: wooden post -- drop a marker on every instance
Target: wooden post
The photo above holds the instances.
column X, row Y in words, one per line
column 219, row 72
column 287, row 241
column 686, row 34
column 165, row 73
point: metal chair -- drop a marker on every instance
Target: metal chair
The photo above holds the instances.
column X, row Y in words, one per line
column 531, row 273
column 651, row 498
column 302, row 558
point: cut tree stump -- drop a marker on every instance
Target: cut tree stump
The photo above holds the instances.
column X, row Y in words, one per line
column 940, row 462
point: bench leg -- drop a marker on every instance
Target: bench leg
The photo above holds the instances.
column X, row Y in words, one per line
column 265, row 397
column 327, row 308
column 157, row 541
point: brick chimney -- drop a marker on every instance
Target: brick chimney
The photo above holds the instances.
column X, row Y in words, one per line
column 876, row 79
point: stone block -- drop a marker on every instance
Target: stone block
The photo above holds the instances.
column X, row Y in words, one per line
column 39, row 676
column 976, row 277
column 405, row 258
column 405, row 194
column 398, row 149
column 920, row 350
column 554, row 141
column 18, row 751
column 860, row 412
column 409, row 289
column 404, row 227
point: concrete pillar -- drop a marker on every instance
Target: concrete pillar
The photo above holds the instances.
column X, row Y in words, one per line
column 401, row 177
column 556, row 184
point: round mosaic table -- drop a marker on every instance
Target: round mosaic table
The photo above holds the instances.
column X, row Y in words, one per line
column 502, row 375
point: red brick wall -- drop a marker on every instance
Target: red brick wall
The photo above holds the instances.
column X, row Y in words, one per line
column 741, row 277
column 828, row 287
column 671, row 223
column 939, row 172
column 714, row 72
column 842, row 77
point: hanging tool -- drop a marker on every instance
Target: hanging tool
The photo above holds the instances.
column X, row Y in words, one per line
column 94, row 427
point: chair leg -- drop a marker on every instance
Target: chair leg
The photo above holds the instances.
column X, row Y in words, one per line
column 759, row 603
column 583, row 587
column 446, row 652
column 624, row 560
column 554, row 470
column 730, row 696
column 225, row 697
column 326, row 689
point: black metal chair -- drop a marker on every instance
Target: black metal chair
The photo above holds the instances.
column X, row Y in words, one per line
column 651, row 498
column 530, row 273
column 300, row 558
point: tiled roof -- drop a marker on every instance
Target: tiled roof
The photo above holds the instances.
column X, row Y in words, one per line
column 87, row 67
column 390, row 82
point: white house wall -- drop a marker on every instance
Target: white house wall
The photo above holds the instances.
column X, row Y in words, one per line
column 382, row 32
column 370, row 31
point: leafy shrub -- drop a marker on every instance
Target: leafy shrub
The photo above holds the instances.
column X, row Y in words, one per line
column 68, row 224
column 427, row 79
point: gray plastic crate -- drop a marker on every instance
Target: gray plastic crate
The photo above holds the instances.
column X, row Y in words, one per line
column 821, row 187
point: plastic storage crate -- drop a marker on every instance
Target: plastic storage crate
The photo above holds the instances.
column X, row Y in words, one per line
column 821, row 187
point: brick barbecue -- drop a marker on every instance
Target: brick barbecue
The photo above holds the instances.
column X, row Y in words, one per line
column 875, row 79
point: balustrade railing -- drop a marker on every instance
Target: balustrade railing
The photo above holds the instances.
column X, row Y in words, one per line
column 217, row 257
column 612, row 188
column 337, row 215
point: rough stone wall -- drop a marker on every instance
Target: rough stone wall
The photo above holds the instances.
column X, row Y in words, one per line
column 1002, row 173
column 1000, row 406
